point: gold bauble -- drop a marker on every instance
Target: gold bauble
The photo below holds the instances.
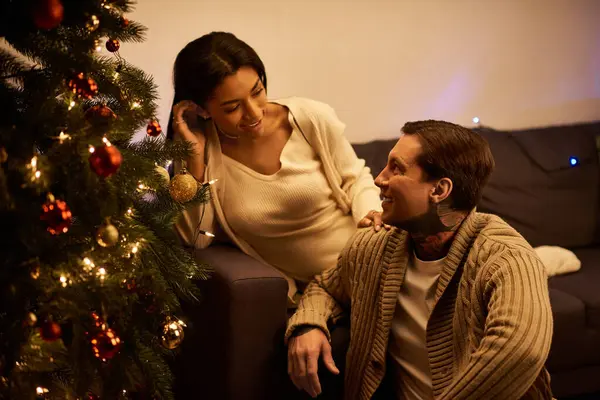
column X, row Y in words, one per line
column 172, row 335
column 183, row 187
column 163, row 174
column 107, row 235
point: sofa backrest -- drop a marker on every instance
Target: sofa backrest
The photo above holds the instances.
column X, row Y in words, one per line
column 546, row 183
column 534, row 186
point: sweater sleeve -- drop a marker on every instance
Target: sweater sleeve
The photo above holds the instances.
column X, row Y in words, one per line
column 327, row 296
column 357, row 181
column 517, row 335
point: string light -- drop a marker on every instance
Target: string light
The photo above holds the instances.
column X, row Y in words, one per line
column 41, row 391
column 101, row 274
column 88, row 265
column 135, row 105
column 211, row 182
column 62, row 136
column 476, row 120
column 64, row 281
column 35, row 173
column 71, row 105
column 205, row 233
column 92, row 149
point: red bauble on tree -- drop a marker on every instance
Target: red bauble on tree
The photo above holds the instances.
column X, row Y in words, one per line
column 57, row 215
column 106, row 344
column 153, row 129
column 82, row 86
column 100, row 114
column 50, row 331
column 113, row 45
column 105, row 160
column 48, row 14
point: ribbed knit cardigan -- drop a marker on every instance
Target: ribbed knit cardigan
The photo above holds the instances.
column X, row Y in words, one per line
column 490, row 330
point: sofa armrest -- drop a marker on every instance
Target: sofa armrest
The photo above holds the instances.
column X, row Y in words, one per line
column 235, row 335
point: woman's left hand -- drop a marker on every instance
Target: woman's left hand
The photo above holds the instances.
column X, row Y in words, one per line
column 373, row 218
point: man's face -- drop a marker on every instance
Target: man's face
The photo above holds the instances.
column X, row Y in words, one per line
column 404, row 191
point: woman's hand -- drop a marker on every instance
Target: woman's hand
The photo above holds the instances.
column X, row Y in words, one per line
column 182, row 113
column 373, row 218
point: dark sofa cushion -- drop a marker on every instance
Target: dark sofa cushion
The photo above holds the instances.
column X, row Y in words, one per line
column 584, row 284
column 536, row 190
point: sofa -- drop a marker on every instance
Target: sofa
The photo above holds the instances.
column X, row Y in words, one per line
column 546, row 184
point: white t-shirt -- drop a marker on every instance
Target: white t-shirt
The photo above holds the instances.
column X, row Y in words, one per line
column 407, row 345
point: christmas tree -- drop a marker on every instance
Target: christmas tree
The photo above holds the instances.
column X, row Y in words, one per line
column 91, row 269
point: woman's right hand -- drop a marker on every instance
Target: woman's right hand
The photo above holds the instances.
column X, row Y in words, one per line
column 183, row 112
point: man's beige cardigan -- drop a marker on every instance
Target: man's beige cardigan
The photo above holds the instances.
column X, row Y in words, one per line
column 490, row 330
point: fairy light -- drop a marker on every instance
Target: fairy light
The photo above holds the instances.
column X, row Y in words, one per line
column 88, row 265
column 71, row 105
column 92, row 149
column 40, row 391
column 211, row 182
column 116, row 75
column 101, row 274
column 135, row 105
column 129, row 211
column 135, row 248
column 63, row 281
column 36, row 174
column 62, row 136
column 205, row 233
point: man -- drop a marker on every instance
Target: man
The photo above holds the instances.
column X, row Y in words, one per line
column 448, row 304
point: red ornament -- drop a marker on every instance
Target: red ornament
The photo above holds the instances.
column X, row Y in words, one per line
column 112, row 45
column 57, row 215
column 105, row 160
column 106, row 344
column 48, row 14
column 82, row 86
column 153, row 129
column 125, row 22
column 100, row 114
column 50, row 331
column 91, row 396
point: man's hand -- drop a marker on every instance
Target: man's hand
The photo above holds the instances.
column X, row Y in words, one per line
column 304, row 351
column 373, row 218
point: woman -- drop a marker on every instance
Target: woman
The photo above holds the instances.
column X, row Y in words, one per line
column 290, row 189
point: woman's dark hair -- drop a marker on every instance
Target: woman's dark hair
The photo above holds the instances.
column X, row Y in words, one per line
column 204, row 63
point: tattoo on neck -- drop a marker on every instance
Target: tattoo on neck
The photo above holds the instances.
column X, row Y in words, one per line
column 432, row 233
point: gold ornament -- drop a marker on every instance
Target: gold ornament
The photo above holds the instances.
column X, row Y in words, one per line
column 183, row 187
column 172, row 335
column 107, row 235
column 163, row 174
column 93, row 23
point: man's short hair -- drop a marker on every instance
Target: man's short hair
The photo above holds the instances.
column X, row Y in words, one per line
column 454, row 152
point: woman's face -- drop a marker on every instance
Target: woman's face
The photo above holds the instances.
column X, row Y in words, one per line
column 238, row 105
